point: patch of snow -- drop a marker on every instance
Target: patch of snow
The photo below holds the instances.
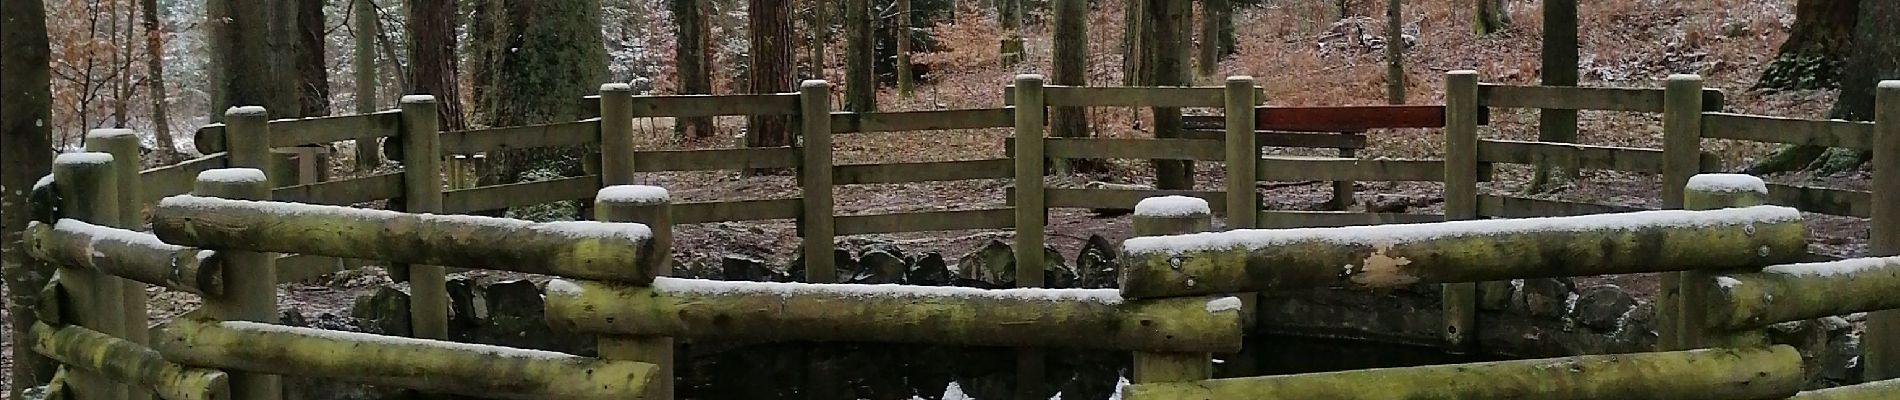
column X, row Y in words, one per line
column 563, row 287
column 418, row 98
column 45, row 181
column 1171, row 206
column 1832, row 268
column 615, row 87
column 106, row 233
column 110, row 133
column 1727, row 282
column 233, row 175
column 1223, row 304
column 82, row 158
column 356, row 337
column 1250, row 239
column 571, row 229
column 682, row 286
column 1727, row 183
column 642, row 194
column 246, row 111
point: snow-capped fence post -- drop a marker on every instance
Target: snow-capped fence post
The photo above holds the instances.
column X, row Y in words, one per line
column 422, row 194
column 815, row 220
column 1173, row 215
column 1882, row 341
column 1243, row 202
column 247, row 138
column 1682, row 159
column 1460, row 300
column 250, row 278
column 123, row 145
column 647, row 205
column 88, row 187
column 616, row 135
column 1031, row 215
column 1712, row 192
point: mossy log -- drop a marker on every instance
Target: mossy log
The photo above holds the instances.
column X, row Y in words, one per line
column 127, row 362
column 420, row 364
column 1463, row 251
column 586, row 250
column 127, row 254
column 1078, row 318
column 1876, row 390
column 1757, row 373
column 1802, row 291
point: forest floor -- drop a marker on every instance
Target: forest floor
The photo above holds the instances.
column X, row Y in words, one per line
column 1302, row 55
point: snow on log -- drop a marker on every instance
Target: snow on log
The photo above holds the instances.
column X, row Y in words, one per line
column 127, row 254
column 420, row 364
column 127, row 362
column 580, row 249
column 1727, row 183
column 1723, row 374
column 1387, row 256
column 1876, row 390
column 1795, row 292
column 1084, row 318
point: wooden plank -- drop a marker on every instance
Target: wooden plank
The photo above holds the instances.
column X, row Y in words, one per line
column 1276, row 219
column 715, row 105
column 1164, row 149
column 343, row 192
column 519, row 194
column 1348, row 118
column 1283, row 169
column 1826, row 133
column 1001, row 218
column 1126, row 199
column 560, row 134
column 715, row 159
column 1572, row 155
column 1190, row 93
column 1521, row 207
column 1584, row 98
column 307, row 131
column 725, row 211
column 176, row 179
column 1079, row 96
column 1310, row 140
column 1847, row 203
column 922, row 172
column 848, row 122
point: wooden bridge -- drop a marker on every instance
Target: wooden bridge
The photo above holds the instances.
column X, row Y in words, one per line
column 1184, row 296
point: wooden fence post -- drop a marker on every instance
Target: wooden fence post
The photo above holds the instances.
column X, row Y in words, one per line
column 1243, row 202
column 422, row 193
column 647, row 205
column 1882, row 348
column 616, row 135
column 1682, row 158
column 814, row 178
column 250, row 278
column 88, row 189
column 123, row 145
column 1461, row 198
column 1030, row 217
column 1170, row 216
column 1712, row 192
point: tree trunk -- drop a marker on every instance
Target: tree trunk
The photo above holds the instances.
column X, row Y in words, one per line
column 820, row 27
column 363, row 26
column 1009, row 16
column 1169, row 20
column 313, row 72
column 1213, row 13
column 1559, row 69
column 1492, row 16
column 693, row 58
column 1134, row 13
column 432, row 59
column 548, row 56
column 904, row 79
column 26, row 142
column 241, row 53
column 1817, row 47
column 1394, row 52
column 155, row 82
column 1071, row 69
column 771, row 70
column 1875, row 57
column 286, row 45
column 860, row 86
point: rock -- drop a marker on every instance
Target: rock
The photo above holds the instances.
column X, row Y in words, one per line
column 517, row 318
column 1056, row 271
column 930, row 270
column 1603, row 307
column 993, row 263
column 1496, row 295
column 385, row 312
column 872, row 245
column 1095, row 264
column 880, row 267
column 735, row 267
column 1545, row 298
column 291, row 316
column 795, row 272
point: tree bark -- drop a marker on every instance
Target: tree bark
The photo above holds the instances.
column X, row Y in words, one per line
column 433, row 67
column 1169, row 20
column 1817, row 47
column 313, row 72
column 363, row 26
column 860, row 52
column 1491, row 16
column 26, row 143
column 1394, row 52
column 1559, row 63
column 820, row 27
column 1071, row 69
column 771, row 70
column 693, row 60
column 1875, row 57
column 904, row 78
column 155, row 82
column 1214, row 15
column 548, row 55
column 242, row 57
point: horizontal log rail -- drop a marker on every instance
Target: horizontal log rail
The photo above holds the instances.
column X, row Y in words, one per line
column 1293, row 168
column 859, row 174
column 560, row 134
column 906, row 121
column 1275, row 219
column 308, row 131
column 1846, row 203
column 1584, row 98
column 176, row 179
column 1627, row 159
column 928, row 221
column 1875, row 390
column 739, row 210
column 1252, row 260
column 694, row 105
column 127, row 254
column 463, row 201
column 420, row 364
column 128, row 362
column 344, row 192
column 715, row 159
column 1311, row 140
column 1723, row 374
column 1164, row 149
column 1132, row 96
column 1759, row 128
column 1125, row 199
column 1525, row 207
column 581, row 249
column 1080, row 318
column 1796, row 292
